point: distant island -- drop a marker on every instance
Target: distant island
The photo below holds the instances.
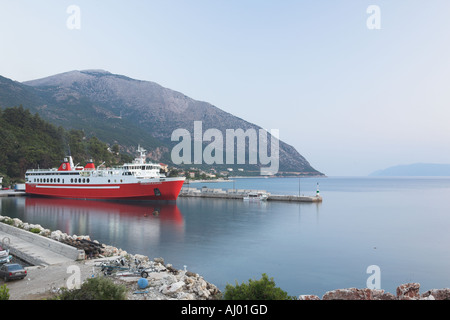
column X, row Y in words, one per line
column 416, row 169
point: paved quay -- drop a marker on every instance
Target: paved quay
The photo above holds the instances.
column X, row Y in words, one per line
column 12, row 193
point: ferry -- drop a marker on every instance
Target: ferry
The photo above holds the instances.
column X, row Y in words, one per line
column 131, row 181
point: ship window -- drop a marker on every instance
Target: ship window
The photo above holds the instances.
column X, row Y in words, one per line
column 109, row 181
column 84, row 180
column 157, row 192
column 88, row 180
column 71, row 180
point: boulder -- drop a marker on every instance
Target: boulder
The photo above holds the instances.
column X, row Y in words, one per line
column 17, row 222
column 349, row 294
column 56, row 235
column 437, row 294
column 170, row 268
column 45, row 232
column 408, row 291
column 381, row 295
column 172, row 288
column 141, row 257
column 191, row 274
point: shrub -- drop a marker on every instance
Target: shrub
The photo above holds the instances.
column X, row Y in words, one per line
column 4, row 292
column 35, row 230
column 263, row 289
column 99, row 288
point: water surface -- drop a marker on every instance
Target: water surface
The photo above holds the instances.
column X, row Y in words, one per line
column 398, row 224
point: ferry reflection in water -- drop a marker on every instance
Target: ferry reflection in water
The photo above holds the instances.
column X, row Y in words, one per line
column 120, row 224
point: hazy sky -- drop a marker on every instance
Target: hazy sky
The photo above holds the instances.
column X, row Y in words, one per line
column 351, row 99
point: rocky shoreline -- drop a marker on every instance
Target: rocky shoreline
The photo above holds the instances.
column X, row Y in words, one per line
column 408, row 291
column 164, row 282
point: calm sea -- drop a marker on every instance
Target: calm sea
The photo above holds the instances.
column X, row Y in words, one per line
column 400, row 225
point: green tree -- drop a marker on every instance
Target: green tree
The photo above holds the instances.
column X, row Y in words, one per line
column 29, row 142
column 263, row 289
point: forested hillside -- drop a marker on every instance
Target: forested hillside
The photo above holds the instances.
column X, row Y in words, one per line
column 27, row 142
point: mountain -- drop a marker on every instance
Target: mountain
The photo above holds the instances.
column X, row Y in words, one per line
column 118, row 109
column 416, row 169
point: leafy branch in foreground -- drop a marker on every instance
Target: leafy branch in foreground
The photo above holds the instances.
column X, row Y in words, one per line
column 263, row 289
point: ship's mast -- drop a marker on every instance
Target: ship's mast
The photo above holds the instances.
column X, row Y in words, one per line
column 142, row 152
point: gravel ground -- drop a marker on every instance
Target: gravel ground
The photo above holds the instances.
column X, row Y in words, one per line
column 43, row 282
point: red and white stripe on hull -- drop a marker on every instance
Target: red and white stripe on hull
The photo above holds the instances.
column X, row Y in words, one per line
column 169, row 189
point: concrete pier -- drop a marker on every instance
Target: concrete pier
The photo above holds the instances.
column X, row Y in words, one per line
column 36, row 249
column 241, row 193
column 12, row 193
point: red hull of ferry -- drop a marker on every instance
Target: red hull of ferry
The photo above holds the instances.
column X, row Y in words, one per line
column 168, row 190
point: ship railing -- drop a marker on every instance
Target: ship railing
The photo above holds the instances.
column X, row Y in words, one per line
column 42, row 170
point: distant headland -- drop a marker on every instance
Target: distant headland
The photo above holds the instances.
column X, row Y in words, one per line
column 415, row 170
